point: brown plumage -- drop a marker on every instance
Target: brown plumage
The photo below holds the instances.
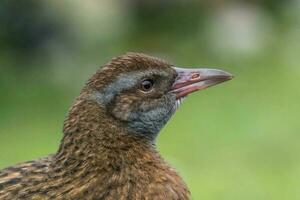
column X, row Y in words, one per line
column 108, row 148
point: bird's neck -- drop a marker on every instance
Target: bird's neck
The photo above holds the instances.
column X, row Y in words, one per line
column 92, row 137
column 97, row 154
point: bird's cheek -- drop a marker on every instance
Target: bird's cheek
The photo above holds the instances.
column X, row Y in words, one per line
column 122, row 108
column 121, row 112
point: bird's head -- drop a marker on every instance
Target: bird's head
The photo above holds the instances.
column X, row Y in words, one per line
column 143, row 92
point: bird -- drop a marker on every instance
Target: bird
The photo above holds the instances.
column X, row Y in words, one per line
column 108, row 149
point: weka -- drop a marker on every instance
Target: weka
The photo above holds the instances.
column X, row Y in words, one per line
column 108, row 148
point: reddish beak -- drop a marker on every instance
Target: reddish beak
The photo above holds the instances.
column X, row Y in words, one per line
column 191, row 80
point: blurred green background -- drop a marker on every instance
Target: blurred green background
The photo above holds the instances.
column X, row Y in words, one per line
column 238, row 140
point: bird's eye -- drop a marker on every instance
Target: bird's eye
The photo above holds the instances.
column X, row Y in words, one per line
column 147, row 85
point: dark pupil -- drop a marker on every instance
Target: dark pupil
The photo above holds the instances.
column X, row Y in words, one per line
column 147, row 84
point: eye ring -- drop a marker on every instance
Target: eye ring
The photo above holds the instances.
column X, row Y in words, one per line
column 146, row 85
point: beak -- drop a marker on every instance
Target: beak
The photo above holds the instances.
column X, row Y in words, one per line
column 191, row 80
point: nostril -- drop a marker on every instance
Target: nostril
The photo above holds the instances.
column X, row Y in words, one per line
column 195, row 76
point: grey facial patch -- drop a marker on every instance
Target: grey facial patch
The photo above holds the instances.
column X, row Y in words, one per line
column 123, row 82
column 149, row 122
